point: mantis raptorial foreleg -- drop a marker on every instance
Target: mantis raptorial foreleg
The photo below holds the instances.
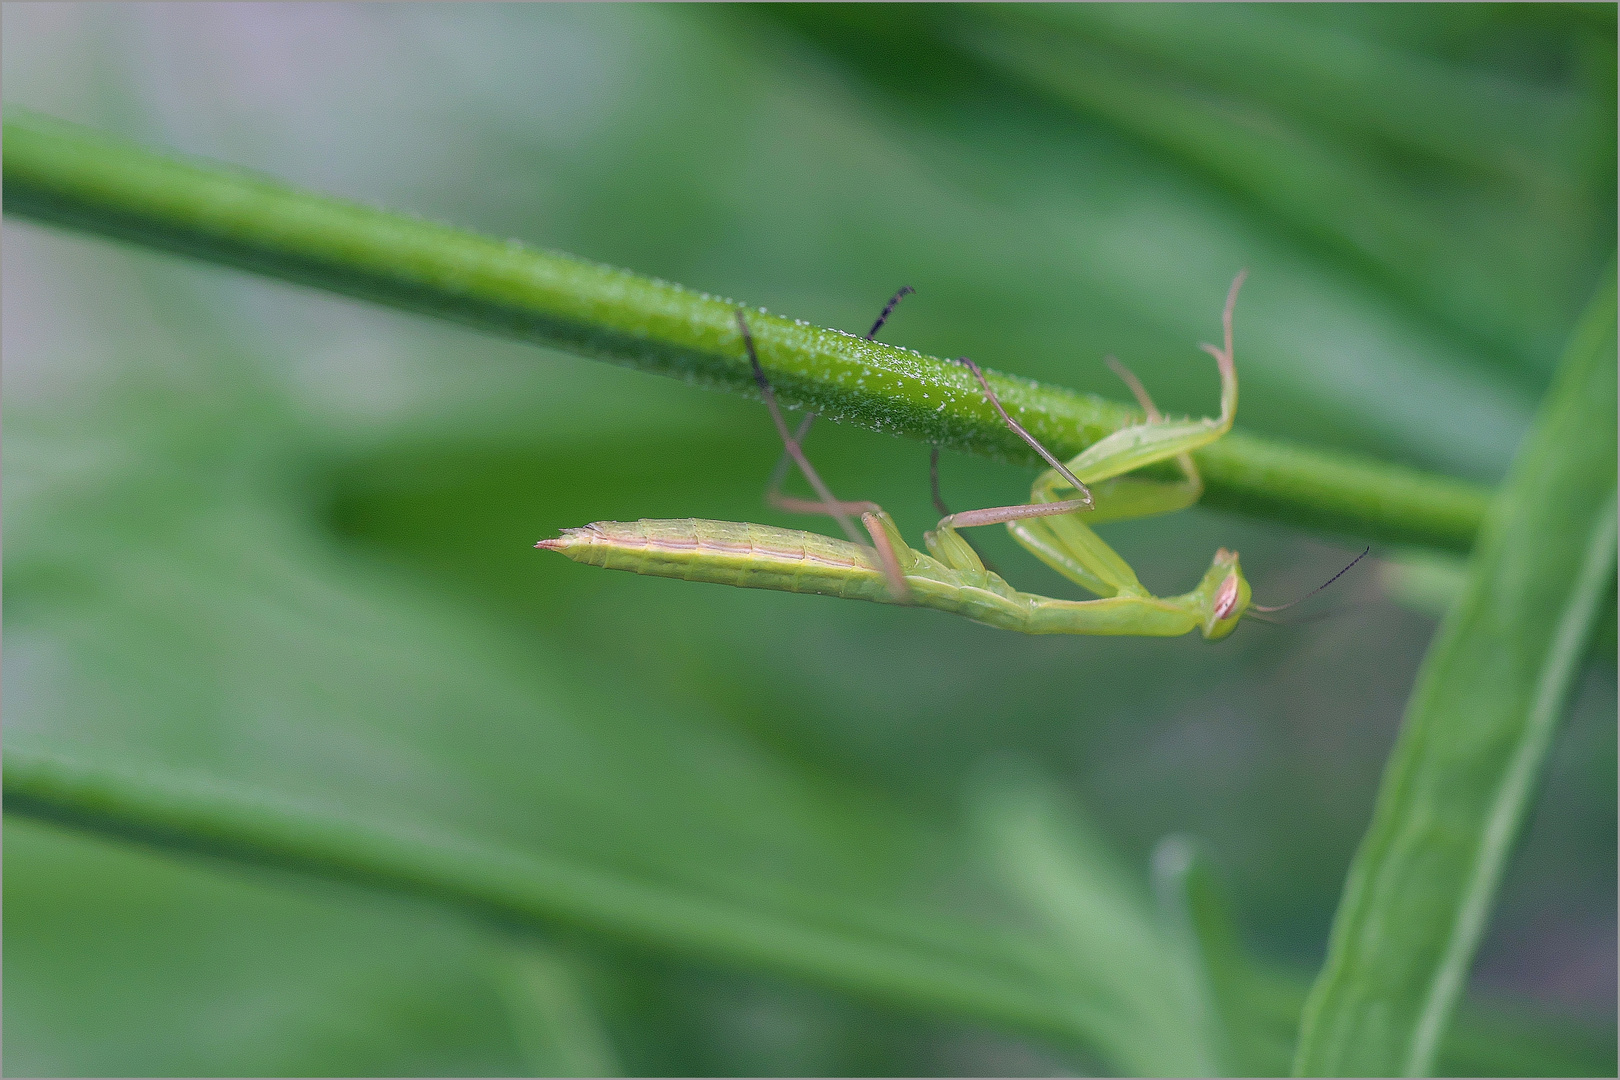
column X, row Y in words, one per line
column 1103, row 464
column 1067, row 544
column 951, row 577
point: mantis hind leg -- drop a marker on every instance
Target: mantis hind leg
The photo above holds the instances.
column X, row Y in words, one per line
column 878, row 524
column 773, row 487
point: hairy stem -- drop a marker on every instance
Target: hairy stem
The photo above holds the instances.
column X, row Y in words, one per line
column 71, row 176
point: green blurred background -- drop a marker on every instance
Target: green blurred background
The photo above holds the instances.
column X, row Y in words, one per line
column 279, row 540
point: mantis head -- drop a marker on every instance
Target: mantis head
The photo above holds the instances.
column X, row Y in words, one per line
column 1222, row 597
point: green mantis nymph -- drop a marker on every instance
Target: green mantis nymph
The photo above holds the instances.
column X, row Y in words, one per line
column 951, row 576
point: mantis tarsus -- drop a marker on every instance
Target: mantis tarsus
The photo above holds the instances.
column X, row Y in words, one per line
column 951, row 576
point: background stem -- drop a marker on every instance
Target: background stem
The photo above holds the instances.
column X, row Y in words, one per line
column 176, row 813
column 71, row 176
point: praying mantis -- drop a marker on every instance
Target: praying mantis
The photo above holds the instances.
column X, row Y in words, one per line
column 1092, row 487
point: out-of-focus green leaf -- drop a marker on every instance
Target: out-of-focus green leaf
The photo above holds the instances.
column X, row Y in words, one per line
column 556, row 1027
column 1487, row 703
column 1141, row 978
column 1259, row 1005
column 180, row 970
column 1259, row 98
column 1195, row 910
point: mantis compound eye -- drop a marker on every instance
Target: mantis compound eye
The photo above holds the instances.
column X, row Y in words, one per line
column 1226, row 597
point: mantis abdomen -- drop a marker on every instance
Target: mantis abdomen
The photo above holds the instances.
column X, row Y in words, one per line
column 729, row 553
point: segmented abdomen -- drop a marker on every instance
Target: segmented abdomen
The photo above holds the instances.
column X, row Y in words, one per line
column 728, row 553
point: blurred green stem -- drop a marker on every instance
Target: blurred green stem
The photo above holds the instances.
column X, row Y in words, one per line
column 191, row 815
column 71, row 176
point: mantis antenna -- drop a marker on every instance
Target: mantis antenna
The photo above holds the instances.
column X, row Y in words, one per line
column 1319, row 588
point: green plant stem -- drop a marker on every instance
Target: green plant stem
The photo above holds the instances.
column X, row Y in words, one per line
column 71, row 176
column 1488, row 700
column 528, row 892
column 195, row 816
